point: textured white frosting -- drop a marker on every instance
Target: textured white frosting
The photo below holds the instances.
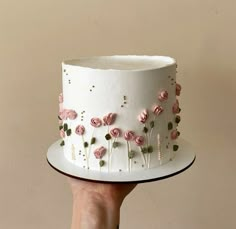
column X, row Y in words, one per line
column 123, row 85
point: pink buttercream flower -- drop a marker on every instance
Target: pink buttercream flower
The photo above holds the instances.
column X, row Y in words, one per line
column 139, row 140
column 163, row 95
column 157, row 110
column 109, row 119
column 143, row 116
column 175, row 107
column 129, row 135
column 60, row 98
column 115, row 132
column 62, row 114
column 178, row 89
column 66, row 113
column 100, row 152
column 80, row 130
column 174, row 134
column 62, row 133
column 96, row 122
column 71, row 114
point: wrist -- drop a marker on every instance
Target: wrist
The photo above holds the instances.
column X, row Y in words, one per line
column 109, row 199
column 96, row 211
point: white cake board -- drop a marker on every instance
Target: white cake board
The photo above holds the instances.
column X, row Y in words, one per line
column 183, row 160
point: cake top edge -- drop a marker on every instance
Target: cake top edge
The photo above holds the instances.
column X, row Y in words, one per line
column 121, row 62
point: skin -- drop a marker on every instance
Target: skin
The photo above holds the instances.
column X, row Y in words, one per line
column 97, row 205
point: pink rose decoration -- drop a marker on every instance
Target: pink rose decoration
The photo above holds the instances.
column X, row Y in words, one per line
column 175, row 107
column 143, row 116
column 115, row 132
column 80, row 130
column 174, row 134
column 62, row 133
column 139, row 140
column 60, row 98
column 163, row 95
column 66, row 113
column 178, row 89
column 129, row 135
column 157, row 110
column 109, row 119
column 63, row 115
column 71, row 114
column 100, row 152
column 96, row 122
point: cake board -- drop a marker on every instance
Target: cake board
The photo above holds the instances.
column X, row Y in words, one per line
column 183, row 160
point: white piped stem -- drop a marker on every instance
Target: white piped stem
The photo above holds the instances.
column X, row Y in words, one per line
column 112, row 150
column 90, row 145
column 85, row 151
column 128, row 156
column 159, row 156
column 149, row 159
column 108, row 150
column 144, row 161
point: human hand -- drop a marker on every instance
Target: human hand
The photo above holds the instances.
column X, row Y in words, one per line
column 109, row 191
column 97, row 205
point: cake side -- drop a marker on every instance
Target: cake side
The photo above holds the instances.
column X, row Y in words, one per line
column 114, row 121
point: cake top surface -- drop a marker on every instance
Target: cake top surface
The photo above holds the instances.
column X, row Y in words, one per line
column 122, row 62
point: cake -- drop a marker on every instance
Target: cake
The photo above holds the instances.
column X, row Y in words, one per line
column 119, row 113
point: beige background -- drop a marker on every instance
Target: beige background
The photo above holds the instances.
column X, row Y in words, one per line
column 35, row 36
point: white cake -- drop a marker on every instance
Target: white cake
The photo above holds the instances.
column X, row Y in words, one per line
column 119, row 113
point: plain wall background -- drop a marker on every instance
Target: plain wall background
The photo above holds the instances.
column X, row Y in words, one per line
column 35, row 36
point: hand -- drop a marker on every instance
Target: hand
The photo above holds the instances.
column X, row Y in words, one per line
column 109, row 191
column 100, row 203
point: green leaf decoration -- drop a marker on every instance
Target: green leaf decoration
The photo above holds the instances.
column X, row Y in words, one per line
column 59, row 117
column 108, row 137
column 65, row 127
column 115, row 144
column 177, row 119
column 179, row 109
column 145, row 129
column 62, row 143
column 144, row 150
column 170, row 126
column 60, row 127
column 101, row 163
column 175, row 147
column 152, row 124
column 131, row 154
column 178, row 133
column 150, row 149
column 68, row 132
column 93, row 140
column 85, row 144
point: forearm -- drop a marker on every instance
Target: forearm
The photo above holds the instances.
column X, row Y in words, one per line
column 92, row 211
